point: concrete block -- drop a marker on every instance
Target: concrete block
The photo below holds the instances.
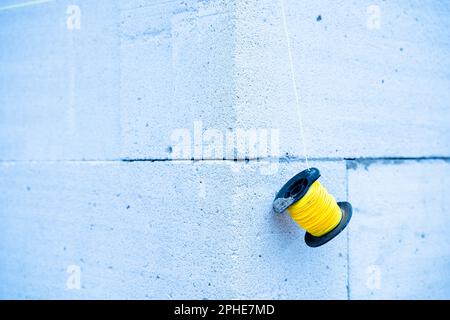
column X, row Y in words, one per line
column 364, row 91
column 399, row 244
column 59, row 84
column 137, row 72
column 176, row 70
column 161, row 229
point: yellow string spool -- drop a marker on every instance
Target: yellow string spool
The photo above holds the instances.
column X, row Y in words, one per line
column 312, row 207
column 317, row 212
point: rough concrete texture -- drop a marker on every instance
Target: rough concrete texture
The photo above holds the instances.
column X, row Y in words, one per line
column 98, row 127
column 160, row 230
column 177, row 69
column 363, row 92
column 59, row 88
column 402, row 228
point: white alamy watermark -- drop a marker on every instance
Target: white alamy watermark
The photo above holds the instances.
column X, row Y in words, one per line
column 373, row 281
column 373, row 17
column 73, row 21
column 74, row 280
column 262, row 144
column 202, row 190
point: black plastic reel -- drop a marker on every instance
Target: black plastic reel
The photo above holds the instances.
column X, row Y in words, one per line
column 295, row 189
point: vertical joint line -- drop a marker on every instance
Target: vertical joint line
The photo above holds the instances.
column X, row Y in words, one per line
column 348, row 232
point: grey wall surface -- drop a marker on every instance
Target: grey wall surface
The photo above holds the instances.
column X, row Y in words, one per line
column 144, row 149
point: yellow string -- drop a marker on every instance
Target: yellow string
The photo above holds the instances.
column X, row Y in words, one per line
column 317, row 212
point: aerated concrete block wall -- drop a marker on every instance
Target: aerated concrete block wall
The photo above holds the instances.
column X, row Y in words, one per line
column 142, row 143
